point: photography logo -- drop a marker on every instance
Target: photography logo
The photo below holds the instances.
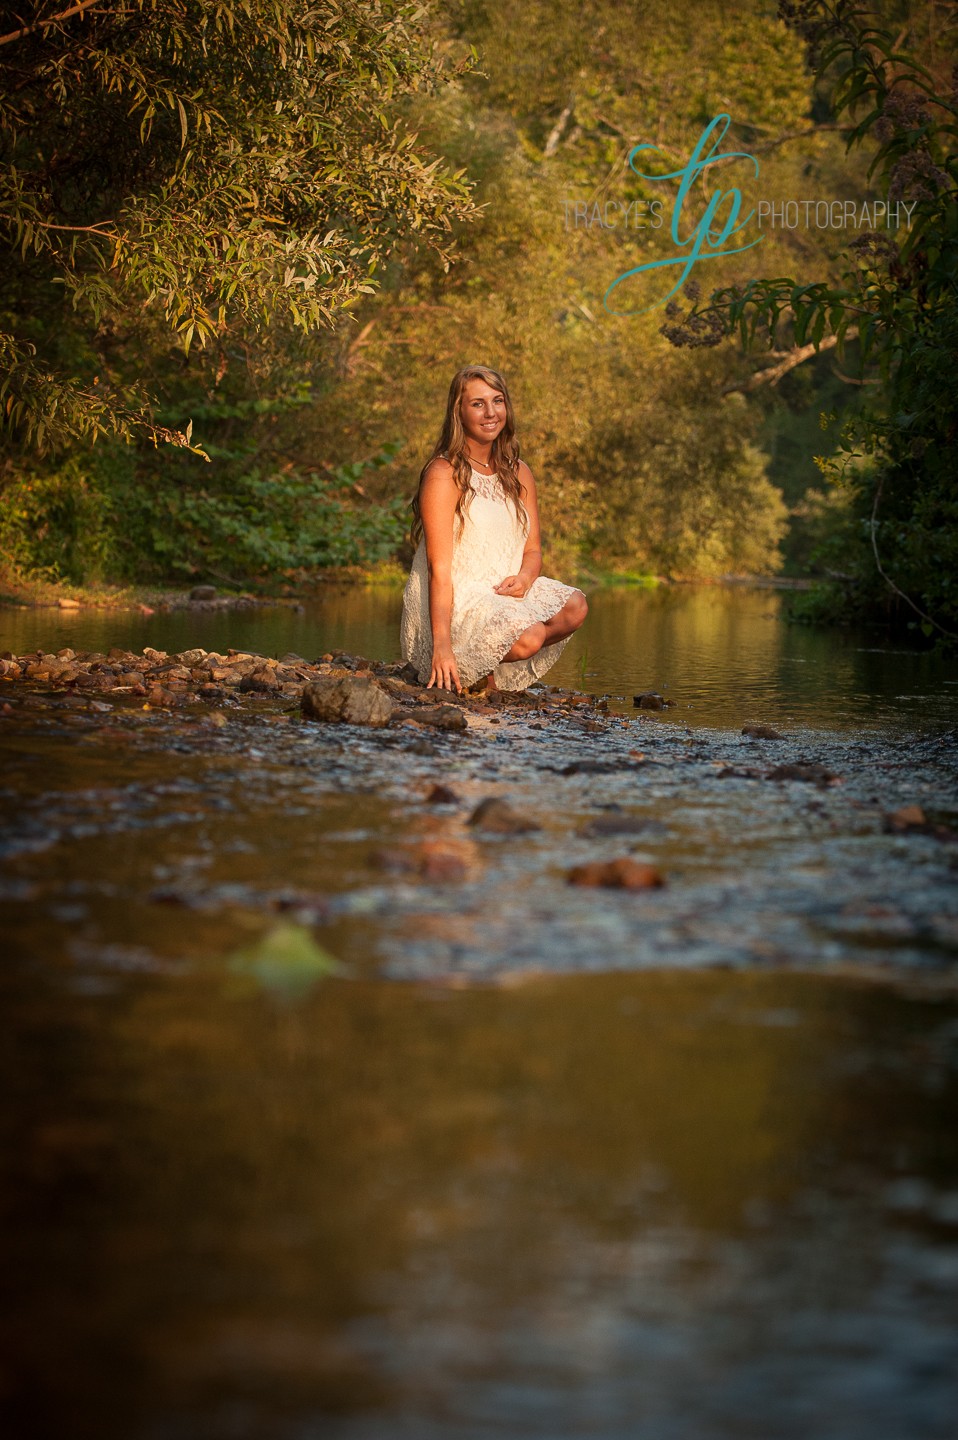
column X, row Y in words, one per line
column 718, row 231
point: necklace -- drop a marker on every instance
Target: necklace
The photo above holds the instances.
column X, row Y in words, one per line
column 488, row 463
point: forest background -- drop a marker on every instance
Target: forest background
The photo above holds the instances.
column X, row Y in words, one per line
column 245, row 250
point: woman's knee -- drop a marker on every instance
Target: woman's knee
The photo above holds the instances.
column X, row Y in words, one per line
column 576, row 608
column 529, row 642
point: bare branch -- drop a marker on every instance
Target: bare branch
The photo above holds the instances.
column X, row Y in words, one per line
column 555, row 134
column 78, row 9
column 773, row 373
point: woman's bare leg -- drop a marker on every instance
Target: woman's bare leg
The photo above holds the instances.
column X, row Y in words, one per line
column 546, row 632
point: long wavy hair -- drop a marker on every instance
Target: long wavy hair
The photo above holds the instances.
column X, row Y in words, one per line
column 451, row 446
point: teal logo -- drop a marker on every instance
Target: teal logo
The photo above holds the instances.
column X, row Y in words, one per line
column 709, row 238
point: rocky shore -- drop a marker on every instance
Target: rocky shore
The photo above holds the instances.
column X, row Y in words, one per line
column 336, row 687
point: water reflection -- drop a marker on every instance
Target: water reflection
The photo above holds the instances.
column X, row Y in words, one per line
column 705, row 1205
column 723, row 654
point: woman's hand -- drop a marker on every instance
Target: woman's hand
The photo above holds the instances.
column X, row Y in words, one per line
column 444, row 673
column 514, row 585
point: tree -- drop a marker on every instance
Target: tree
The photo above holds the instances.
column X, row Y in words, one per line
column 193, row 172
column 896, row 454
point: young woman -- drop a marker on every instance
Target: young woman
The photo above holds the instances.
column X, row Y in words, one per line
column 476, row 611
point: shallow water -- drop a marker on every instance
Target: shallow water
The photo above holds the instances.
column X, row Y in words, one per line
column 297, row 1144
column 722, row 654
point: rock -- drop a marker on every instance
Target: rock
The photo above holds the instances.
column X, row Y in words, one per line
column 203, row 592
column 351, row 701
column 155, row 655
column 811, row 772
column 442, row 795
column 432, row 859
column 499, row 818
column 619, row 825
column 595, row 767
column 408, row 673
column 443, row 717
column 65, row 603
column 624, row 874
column 192, row 657
column 761, row 732
column 160, row 699
column 908, row 817
column 912, row 820
column 262, row 681
column 650, row 700
column 66, row 654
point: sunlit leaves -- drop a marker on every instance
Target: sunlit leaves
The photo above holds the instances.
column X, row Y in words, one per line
column 233, row 164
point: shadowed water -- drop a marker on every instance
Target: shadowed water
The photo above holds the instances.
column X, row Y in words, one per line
column 297, row 1143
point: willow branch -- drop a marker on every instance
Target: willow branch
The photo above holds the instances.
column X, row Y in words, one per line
column 887, row 578
column 78, row 9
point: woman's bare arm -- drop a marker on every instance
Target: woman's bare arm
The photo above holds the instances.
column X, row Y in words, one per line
column 437, row 506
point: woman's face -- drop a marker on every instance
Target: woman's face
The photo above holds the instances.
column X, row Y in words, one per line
column 482, row 410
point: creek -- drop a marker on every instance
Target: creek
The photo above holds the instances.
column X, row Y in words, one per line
column 304, row 1138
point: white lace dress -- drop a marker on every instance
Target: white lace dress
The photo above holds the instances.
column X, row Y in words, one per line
column 484, row 625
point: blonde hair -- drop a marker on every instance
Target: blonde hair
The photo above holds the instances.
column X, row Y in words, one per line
column 451, row 445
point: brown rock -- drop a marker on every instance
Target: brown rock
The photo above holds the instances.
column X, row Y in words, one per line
column 650, row 700
column 624, row 874
column 908, row 817
column 442, row 795
column 761, row 732
column 262, row 681
column 499, row 818
column 433, row 859
column 203, row 592
column 813, row 772
column 442, row 717
column 66, row 603
column 351, row 700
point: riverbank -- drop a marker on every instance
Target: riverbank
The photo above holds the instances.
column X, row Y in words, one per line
column 17, row 593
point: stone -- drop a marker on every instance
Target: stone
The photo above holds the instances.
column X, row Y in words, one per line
column 650, row 700
column 499, row 818
column 66, row 603
column 623, row 874
column 192, row 657
column 154, row 655
column 908, row 817
column 761, row 732
column 351, row 700
column 442, row 858
column 809, row 771
column 618, row 825
column 262, row 681
column 442, row 795
column 443, row 717
column 203, row 592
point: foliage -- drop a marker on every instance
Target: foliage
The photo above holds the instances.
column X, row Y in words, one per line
column 199, row 170
column 903, row 301
column 643, row 464
column 81, row 520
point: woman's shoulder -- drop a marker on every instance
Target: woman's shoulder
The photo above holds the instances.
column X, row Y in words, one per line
column 438, row 470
